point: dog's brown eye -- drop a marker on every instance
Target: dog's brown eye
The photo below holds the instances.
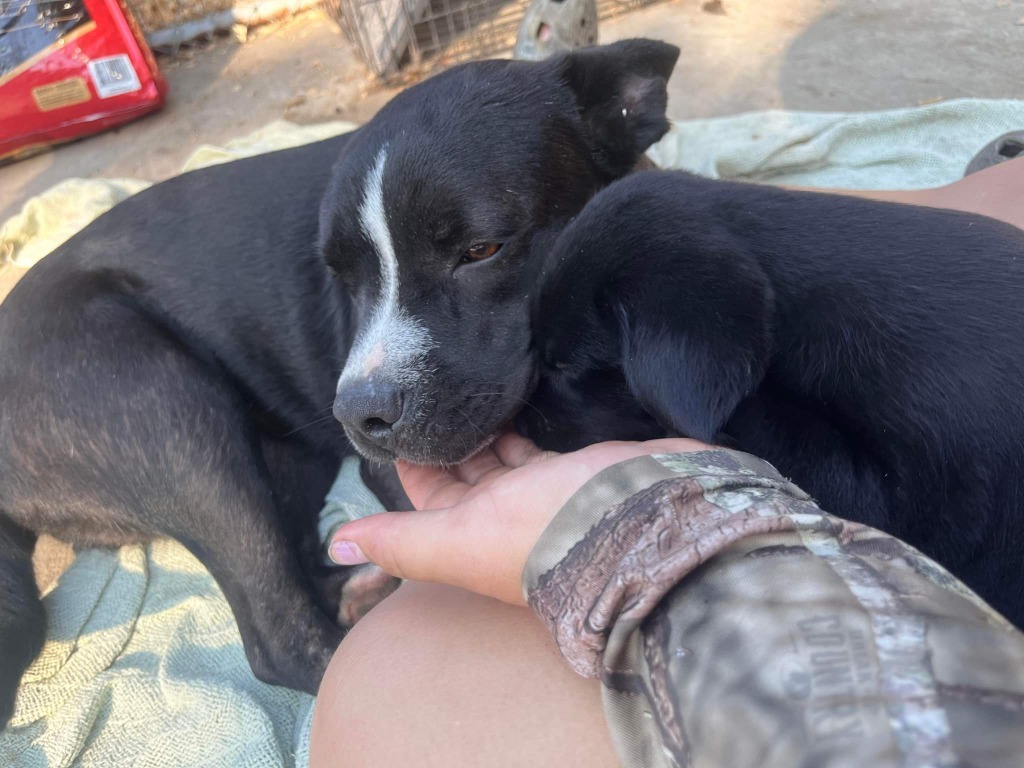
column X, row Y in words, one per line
column 481, row 251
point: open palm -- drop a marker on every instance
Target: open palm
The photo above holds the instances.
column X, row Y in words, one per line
column 478, row 521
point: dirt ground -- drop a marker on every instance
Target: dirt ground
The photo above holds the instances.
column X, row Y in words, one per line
column 737, row 55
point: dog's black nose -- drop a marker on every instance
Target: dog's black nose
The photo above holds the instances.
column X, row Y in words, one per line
column 372, row 408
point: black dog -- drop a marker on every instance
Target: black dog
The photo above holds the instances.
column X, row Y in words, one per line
column 871, row 351
column 170, row 371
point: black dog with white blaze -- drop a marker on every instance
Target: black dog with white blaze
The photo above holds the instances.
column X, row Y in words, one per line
column 871, row 351
column 438, row 218
column 171, row 370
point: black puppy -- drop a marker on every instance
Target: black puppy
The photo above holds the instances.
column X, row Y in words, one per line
column 871, row 351
column 171, row 370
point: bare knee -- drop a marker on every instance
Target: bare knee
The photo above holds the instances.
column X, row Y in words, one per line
column 436, row 675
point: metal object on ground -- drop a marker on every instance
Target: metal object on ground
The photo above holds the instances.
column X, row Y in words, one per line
column 169, row 38
column 403, row 40
column 1006, row 147
column 556, row 26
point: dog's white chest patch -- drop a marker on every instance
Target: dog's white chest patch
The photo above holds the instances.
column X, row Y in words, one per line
column 392, row 344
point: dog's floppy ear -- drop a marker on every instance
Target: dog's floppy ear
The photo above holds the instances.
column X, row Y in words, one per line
column 691, row 353
column 621, row 94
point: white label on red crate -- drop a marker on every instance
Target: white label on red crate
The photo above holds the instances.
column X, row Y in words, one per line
column 113, row 75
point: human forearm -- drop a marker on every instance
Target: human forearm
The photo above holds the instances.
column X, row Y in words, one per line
column 732, row 622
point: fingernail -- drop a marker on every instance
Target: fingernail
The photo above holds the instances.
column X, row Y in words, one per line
column 347, row 553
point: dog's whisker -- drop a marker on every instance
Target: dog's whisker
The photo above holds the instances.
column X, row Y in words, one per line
column 466, row 417
column 522, row 400
column 313, row 423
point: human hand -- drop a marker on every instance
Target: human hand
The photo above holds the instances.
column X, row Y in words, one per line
column 480, row 520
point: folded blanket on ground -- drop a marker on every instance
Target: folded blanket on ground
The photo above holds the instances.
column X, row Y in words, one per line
column 143, row 664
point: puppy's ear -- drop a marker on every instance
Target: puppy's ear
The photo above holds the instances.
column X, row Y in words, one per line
column 691, row 353
column 621, row 94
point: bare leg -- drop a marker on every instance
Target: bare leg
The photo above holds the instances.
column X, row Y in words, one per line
column 436, row 676
column 997, row 192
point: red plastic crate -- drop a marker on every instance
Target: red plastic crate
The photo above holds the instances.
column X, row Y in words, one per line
column 69, row 68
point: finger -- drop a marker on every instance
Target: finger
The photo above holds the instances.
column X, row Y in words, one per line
column 514, row 450
column 403, row 544
column 507, row 452
column 430, row 487
column 426, row 546
column 473, row 469
column 600, row 455
column 676, row 445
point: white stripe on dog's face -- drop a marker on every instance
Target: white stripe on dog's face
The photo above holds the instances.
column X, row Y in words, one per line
column 392, row 343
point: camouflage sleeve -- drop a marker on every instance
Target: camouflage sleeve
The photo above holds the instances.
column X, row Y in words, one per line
column 733, row 623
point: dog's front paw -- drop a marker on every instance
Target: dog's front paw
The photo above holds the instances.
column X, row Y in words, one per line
column 366, row 586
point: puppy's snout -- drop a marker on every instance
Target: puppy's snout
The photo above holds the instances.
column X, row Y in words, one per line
column 371, row 408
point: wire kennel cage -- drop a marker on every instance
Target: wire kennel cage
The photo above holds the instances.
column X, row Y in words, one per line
column 407, row 39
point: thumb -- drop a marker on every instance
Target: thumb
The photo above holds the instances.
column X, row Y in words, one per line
column 430, row 545
column 405, row 544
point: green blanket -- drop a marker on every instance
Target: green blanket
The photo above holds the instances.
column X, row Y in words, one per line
column 143, row 664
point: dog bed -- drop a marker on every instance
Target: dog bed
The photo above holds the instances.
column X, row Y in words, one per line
column 143, row 664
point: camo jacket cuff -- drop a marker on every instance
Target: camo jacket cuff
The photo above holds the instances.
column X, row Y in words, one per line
column 734, row 623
